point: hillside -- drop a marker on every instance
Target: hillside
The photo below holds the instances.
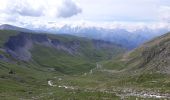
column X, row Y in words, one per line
column 47, row 66
column 152, row 56
column 29, row 60
column 145, row 67
column 64, row 53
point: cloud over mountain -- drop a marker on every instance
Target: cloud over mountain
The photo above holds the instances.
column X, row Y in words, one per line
column 132, row 14
column 40, row 8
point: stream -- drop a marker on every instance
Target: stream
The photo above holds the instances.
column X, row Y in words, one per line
column 122, row 95
column 124, row 92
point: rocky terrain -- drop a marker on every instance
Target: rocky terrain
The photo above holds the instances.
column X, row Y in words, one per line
column 19, row 46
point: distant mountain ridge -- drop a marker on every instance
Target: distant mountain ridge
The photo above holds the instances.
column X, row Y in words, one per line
column 123, row 37
column 129, row 39
column 11, row 27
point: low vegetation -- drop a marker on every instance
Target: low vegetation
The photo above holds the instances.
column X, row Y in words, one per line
column 92, row 73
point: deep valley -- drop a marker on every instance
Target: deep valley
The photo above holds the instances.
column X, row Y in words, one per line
column 41, row 66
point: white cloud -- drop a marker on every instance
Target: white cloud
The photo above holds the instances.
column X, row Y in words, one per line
column 131, row 14
column 40, row 8
column 68, row 9
column 21, row 7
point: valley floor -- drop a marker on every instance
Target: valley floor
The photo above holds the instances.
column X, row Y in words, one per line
column 97, row 84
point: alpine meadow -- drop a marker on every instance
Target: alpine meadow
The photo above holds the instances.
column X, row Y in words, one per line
column 84, row 50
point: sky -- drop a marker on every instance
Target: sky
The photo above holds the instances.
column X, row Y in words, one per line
column 101, row 13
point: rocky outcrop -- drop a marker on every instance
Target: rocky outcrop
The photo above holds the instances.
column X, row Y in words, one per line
column 157, row 57
column 152, row 56
column 18, row 46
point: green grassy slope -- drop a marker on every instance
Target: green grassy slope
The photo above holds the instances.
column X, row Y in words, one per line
column 145, row 67
column 25, row 79
column 85, row 58
column 153, row 56
column 28, row 80
column 82, row 62
column 115, row 76
column 4, row 35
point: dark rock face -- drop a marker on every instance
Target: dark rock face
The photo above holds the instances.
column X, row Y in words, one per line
column 19, row 46
column 1, row 57
column 39, row 38
column 157, row 57
column 149, row 53
column 55, row 42
column 18, row 41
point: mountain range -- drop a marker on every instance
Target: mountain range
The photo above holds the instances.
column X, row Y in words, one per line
column 44, row 66
column 128, row 39
column 124, row 37
column 56, row 51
